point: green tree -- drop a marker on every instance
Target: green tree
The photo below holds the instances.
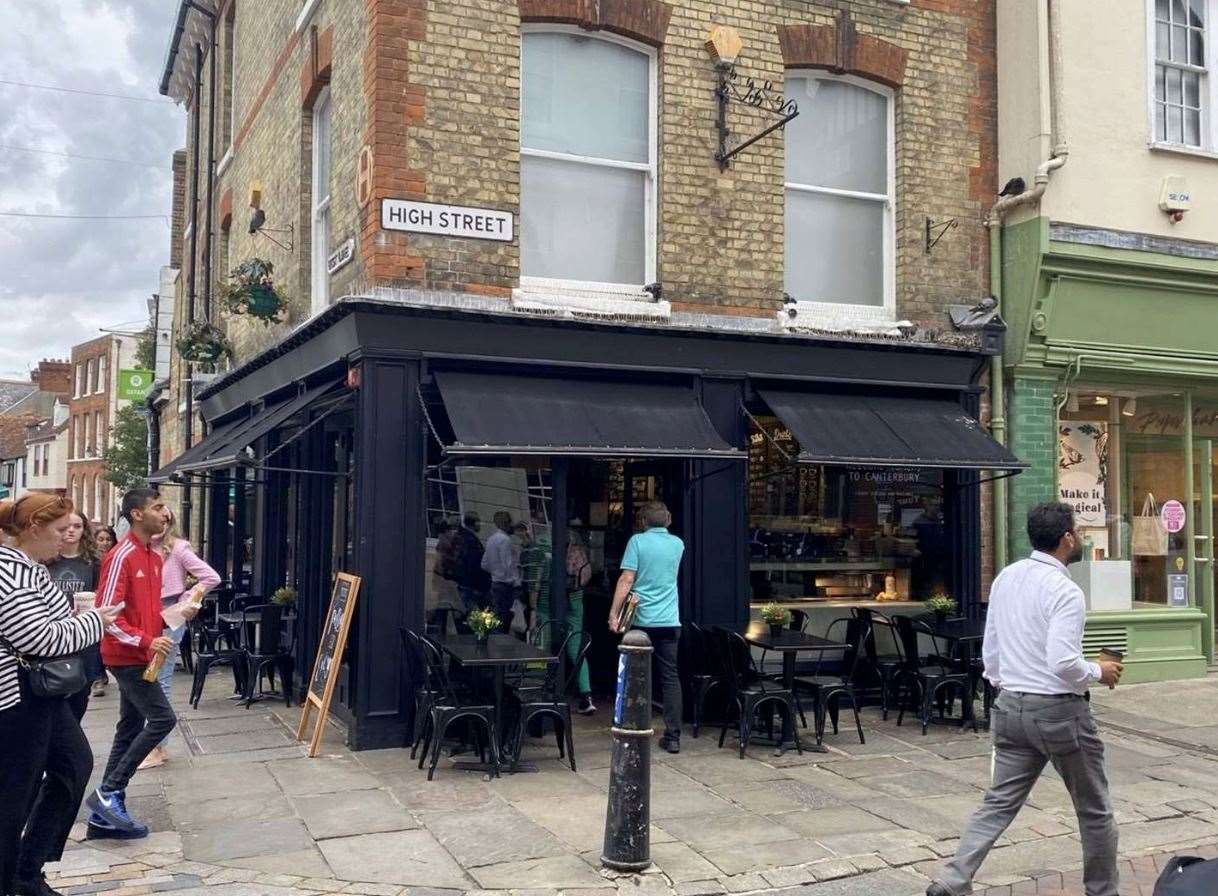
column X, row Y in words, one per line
column 126, row 458
column 145, row 349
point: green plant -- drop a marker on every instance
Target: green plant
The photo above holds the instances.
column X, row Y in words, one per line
column 775, row 614
column 145, row 349
column 203, row 343
column 285, row 596
column 483, row 622
column 251, row 290
column 941, row 603
column 126, row 457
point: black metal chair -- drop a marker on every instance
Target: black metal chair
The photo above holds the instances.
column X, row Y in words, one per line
column 704, row 677
column 887, row 664
column 448, row 707
column 425, row 689
column 439, row 618
column 799, row 620
column 262, row 645
column 748, row 691
column 935, row 675
column 827, row 691
column 207, row 650
column 551, row 698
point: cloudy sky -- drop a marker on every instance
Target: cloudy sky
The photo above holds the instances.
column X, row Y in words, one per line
column 62, row 279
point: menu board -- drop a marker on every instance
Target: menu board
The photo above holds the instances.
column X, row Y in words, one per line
column 336, row 627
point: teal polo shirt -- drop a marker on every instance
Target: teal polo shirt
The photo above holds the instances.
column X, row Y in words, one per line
column 654, row 557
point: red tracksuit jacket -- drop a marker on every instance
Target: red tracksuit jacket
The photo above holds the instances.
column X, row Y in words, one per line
column 131, row 574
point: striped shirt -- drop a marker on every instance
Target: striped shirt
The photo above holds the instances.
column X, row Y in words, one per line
column 36, row 618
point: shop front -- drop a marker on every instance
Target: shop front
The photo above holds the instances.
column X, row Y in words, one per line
column 1113, row 380
column 815, row 473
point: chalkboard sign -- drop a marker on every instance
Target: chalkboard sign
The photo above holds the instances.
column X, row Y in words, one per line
column 335, row 628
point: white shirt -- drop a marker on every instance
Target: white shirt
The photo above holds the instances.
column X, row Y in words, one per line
column 499, row 560
column 1034, row 630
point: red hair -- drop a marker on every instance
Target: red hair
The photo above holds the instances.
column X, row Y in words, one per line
column 32, row 510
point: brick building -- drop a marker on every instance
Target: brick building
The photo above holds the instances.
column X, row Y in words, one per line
column 25, row 404
column 94, row 401
column 536, row 188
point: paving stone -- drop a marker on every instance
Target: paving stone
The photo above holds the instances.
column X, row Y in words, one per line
column 727, row 831
column 868, row 862
column 80, row 861
column 298, row 863
column 870, row 766
column 1169, row 832
column 782, row 795
column 712, row 769
column 792, row 876
column 681, row 863
column 558, row 871
column 1158, row 813
column 578, row 822
column 300, row 777
column 699, row 888
column 833, row 869
column 357, row 812
column 1191, row 806
column 743, row 883
column 835, row 820
column 892, row 882
column 1025, row 858
column 196, row 784
column 211, row 813
column 416, row 793
column 693, row 800
column 409, row 858
column 921, row 784
column 493, row 836
column 764, row 856
column 364, row 888
column 243, row 839
column 907, row 855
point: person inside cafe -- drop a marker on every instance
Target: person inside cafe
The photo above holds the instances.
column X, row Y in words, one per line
column 472, row 584
column 499, row 561
column 649, row 571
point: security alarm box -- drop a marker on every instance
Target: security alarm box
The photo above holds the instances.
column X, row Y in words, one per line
column 1175, row 196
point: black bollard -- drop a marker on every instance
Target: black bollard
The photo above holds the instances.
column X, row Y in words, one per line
column 628, row 815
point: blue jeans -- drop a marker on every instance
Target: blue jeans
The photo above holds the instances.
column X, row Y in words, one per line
column 165, row 677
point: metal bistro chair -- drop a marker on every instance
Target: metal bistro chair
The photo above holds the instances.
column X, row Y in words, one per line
column 264, row 651
column 704, row 676
column 449, row 707
column 208, row 649
column 426, row 690
column 551, row 699
column 827, row 691
column 934, row 676
column 748, row 691
column 886, row 665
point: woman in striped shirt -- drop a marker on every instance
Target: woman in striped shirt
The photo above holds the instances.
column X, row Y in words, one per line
column 38, row 735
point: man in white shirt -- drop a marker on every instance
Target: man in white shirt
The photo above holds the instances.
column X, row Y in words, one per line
column 1033, row 652
column 501, row 561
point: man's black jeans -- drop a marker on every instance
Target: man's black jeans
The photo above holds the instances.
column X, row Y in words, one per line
column 664, row 641
column 145, row 718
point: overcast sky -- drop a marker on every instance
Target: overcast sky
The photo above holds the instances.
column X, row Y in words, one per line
column 61, row 280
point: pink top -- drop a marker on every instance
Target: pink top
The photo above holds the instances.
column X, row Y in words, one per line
column 182, row 559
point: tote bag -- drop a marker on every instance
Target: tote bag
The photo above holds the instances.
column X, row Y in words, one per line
column 1149, row 536
column 1188, row 876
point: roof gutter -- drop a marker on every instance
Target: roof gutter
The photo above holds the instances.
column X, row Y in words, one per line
column 172, row 57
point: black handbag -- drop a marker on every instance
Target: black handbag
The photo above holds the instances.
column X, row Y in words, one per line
column 56, row 676
column 1188, row 876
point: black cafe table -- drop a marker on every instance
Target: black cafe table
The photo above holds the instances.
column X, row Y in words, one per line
column 498, row 654
column 789, row 642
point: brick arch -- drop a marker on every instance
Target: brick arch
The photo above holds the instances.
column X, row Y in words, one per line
column 842, row 50
column 643, row 20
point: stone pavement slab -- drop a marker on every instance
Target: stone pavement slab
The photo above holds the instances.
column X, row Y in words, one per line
column 560, row 871
column 239, row 839
column 408, row 858
column 354, row 812
column 737, row 828
column 491, row 836
column 322, row 775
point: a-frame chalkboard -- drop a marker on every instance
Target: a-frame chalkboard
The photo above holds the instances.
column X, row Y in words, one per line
column 335, row 627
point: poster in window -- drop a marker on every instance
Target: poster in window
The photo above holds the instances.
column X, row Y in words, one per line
column 1082, row 464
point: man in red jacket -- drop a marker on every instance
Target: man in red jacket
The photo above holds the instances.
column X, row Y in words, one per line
column 131, row 577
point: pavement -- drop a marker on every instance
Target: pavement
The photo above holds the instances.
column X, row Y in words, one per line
column 240, row 811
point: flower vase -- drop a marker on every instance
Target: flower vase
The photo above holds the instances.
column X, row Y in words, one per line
column 775, row 630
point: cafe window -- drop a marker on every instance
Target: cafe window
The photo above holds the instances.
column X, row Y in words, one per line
column 822, row 534
column 1121, row 466
column 587, row 162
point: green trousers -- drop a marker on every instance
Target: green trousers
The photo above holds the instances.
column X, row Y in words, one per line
column 575, row 623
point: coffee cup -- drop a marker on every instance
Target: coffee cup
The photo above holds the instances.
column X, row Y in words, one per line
column 83, row 600
column 1111, row 653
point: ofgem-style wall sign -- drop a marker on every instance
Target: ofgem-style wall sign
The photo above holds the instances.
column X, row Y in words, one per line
column 446, row 220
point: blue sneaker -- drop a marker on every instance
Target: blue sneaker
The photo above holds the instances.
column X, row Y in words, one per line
column 98, row 828
column 111, row 810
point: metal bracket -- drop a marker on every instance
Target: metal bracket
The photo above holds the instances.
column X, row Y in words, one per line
column 936, row 230
column 267, row 231
column 733, row 87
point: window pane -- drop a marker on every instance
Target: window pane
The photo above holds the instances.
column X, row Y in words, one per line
column 581, row 222
column 1174, row 94
column 1160, row 84
column 1179, row 14
column 321, row 157
column 1161, row 11
column 1192, row 90
column 584, row 96
column 1192, row 127
column 1160, row 122
column 1175, row 124
column 1162, row 48
column 1197, row 13
column 835, row 248
column 840, row 137
column 1196, row 48
column 1179, row 44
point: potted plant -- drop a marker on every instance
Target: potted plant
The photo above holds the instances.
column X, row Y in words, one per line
column 482, row 623
column 285, row 596
column 941, row 605
column 777, row 616
column 252, row 291
column 203, row 343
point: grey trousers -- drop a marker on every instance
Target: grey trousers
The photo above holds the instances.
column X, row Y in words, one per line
column 1029, row 731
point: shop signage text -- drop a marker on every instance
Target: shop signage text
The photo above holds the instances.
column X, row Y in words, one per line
column 446, row 220
column 1172, row 515
column 340, row 256
column 134, row 385
column 1082, row 463
column 1170, row 422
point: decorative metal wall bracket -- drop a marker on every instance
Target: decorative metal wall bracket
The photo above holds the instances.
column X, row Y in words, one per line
column 733, row 87
column 936, row 230
column 289, row 230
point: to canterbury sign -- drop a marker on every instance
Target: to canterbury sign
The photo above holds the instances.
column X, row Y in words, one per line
column 446, row 220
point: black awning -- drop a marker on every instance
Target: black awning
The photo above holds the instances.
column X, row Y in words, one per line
column 233, row 448
column 510, row 414
column 197, row 451
column 886, row 431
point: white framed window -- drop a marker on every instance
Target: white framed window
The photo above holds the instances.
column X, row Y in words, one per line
column 99, row 431
column 320, row 240
column 840, row 195
column 101, row 373
column 97, row 497
column 228, row 124
column 587, row 162
column 1180, row 82
column 80, row 381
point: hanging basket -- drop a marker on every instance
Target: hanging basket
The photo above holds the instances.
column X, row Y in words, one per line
column 203, row 343
column 252, row 291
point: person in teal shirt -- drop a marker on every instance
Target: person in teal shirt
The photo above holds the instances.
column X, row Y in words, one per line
column 649, row 570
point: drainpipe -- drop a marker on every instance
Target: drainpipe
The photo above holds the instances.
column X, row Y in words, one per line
column 187, row 436
column 1051, row 127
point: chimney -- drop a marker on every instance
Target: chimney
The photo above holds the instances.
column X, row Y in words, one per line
column 53, row 376
column 178, row 221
